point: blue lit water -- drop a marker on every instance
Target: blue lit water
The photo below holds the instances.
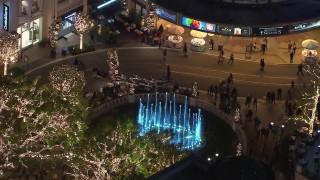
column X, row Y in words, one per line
column 185, row 124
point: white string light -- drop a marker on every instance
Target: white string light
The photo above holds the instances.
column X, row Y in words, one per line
column 82, row 25
column 9, row 50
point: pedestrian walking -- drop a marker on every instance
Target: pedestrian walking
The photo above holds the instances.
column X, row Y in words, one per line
column 294, row 47
column 289, row 46
column 262, row 64
column 168, row 73
column 279, row 93
column 248, row 100
column 258, row 134
column 76, row 62
column 215, row 88
column 26, row 61
column 292, row 85
column 255, row 103
column 220, row 58
column 91, row 38
column 230, row 79
column 212, row 44
column 165, row 54
column 211, row 90
column 265, row 40
column 231, row 58
column 300, row 69
column 291, row 57
column 273, row 98
column 185, row 50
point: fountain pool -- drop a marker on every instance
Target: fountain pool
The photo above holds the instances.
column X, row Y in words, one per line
column 169, row 115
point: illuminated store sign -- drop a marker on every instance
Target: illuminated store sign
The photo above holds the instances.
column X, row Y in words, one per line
column 199, row 25
column 269, row 31
column 5, row 17
column 304, row 26
column 166, row 15
column 231, row 30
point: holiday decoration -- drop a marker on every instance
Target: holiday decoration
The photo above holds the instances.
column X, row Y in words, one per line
column 9, row 50
column 113, row 64
column 37, row 124
column 53, row 32
column 195, row 89
column 82, row 25
column 66, row 79
column 239, row 150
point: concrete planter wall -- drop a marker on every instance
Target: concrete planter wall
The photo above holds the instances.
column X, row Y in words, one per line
column 199, row 103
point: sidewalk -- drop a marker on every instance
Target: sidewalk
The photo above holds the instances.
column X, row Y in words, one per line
column 277, row 52
column 267, row 113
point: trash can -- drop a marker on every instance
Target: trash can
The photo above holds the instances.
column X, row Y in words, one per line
column 64, row 51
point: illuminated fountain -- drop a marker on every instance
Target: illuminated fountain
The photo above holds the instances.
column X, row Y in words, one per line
column 168, row 115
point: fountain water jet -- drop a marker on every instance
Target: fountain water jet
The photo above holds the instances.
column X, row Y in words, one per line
column 185, row 125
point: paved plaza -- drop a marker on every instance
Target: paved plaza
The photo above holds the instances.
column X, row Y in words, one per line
column 147, row 61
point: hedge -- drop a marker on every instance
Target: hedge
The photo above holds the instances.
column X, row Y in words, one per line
column 87, row 47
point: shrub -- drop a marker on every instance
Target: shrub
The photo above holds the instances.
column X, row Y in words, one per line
column 16, row 71
column 43, row 43
column 87, row 47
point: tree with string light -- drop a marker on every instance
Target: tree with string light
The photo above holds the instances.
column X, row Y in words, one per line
column 53, row 32
column 82, row 25
column 9, row 50
column 120, row 153
column 308, row 110
column 38, row 124
column 67, row 80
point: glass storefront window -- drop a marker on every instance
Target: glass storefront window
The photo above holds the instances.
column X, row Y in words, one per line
column 24, row 7
column 69, row 20
column 35, row 6
column 36, row 30
column 30, row 33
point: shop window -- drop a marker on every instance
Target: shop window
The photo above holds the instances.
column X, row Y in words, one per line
column 24, row 7
column 36, row 31
column 35, row 6
column 69, row 20
column 30, row 33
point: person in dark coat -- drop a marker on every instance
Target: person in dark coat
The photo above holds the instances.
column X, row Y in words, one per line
column 168, row 72
column 262, row 64
column 291, row 57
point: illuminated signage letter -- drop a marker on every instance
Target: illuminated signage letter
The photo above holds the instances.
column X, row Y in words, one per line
column 5, row 17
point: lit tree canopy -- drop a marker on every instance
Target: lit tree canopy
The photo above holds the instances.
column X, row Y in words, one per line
column 118, row 152
column 309, row 104
column 9, row 49
column 67, row 79
column 53, row 32
column 82, row 25
column 36, row 122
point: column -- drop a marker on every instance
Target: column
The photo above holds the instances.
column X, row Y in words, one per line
column 85, row 6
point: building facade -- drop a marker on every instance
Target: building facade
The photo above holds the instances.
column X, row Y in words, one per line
column 31, row 18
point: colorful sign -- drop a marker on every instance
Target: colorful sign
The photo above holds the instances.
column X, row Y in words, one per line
column 5, row 17
column 166, row 15
column 304, row 26
column 199, row 25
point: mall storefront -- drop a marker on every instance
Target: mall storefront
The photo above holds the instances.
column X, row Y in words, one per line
column 30, row 33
